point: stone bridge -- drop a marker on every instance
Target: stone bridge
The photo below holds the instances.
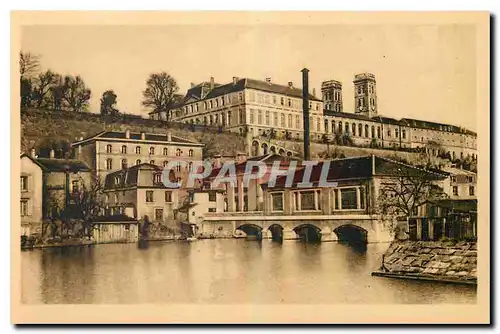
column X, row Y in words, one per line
column 348, row 228
column 260, row 147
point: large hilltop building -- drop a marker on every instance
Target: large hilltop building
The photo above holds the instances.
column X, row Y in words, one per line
column 257, row 108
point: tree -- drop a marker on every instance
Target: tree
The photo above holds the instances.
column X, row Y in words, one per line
column 26, row 92
column 407, row 189
column 42, row 88
column 29, row 64
column 160, row 93
column 75, row 93
column 108, row 102
column 88, row 203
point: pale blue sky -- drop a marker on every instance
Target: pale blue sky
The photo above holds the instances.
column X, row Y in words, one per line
column 424, row 71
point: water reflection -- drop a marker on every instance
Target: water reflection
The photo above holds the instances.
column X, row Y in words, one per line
column 222, row 271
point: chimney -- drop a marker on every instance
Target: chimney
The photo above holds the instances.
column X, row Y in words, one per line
column 235, row 80
column 290, row 84
column 314, row 92
column 192, row 84
column 51, row 154
column 33, row 153
column 268, row 80
column 143, row 136
column 212, row 83
column 305, row 114
column 127, row 134
column 169, row 136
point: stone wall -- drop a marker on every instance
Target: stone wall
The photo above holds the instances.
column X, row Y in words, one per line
column 436, row 260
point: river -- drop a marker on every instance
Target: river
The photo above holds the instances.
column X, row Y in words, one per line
column 220, row 272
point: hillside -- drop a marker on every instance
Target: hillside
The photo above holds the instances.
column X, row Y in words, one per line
column 41, row 129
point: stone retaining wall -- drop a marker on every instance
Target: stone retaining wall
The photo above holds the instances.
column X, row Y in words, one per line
column 437, row 260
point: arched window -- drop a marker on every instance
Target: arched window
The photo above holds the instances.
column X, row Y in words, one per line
column 190, row 153
column 138, row 150
column 346, row 127
column 138, row 162
column 178, row 152
column 360, row 130
column 151, row 151
column 165, row 163
column 379, row 135
column 190, row 166
column 333, row 126
column 373, row 131
column 109, row 164
column 241, row 116
column 367, row 131
column 340, row 127
column 326, row 125
column 229, row 118
column 157, row 178
column 178, row 167
column 152, row 162
column 165, row 151
column 353, row 129
column 124, row 149
column 124, row 163
column 109, row 149
column 404, row 134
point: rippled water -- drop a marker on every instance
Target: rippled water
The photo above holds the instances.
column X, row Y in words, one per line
column 222, row 271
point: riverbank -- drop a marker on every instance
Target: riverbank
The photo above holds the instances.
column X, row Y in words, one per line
column 443, row 261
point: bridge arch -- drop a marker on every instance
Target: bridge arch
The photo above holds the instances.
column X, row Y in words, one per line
column 251, row 230
column 351, row 234
column 276, row 232
column 308, row 233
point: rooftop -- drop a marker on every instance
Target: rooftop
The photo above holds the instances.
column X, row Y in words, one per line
column 136, row 136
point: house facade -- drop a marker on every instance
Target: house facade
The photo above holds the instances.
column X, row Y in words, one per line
column 139, row 192
column 31, row 201
column 110, row 151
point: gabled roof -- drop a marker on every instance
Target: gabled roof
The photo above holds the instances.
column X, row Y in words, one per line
column 136, row 136
column 128, row 177
column 63, row 165
column 346, row 115
column 24, row 155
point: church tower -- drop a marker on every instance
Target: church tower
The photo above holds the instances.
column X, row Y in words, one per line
column 365, row 94
column 331, row 92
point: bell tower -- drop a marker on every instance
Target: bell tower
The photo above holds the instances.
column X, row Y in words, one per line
column 331, row 92
column 365, row 94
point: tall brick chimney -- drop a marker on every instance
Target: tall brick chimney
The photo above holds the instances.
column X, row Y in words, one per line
column 305, row 112
column 212, row 83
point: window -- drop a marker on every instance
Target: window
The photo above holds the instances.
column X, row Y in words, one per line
column 289, row 121
column 124, row 149
column 252, row 116
column 348, row 198
column 212, row 196
column 379, row 132
column 24, row 183
column 165, row 163
column 165, row 151
column 455, row 191
column 75, row 186
column 360, row 130
column 109, row 149
column 150, row 196
column 277, row 201
column 404, row 134
column 307, row 200
column 109, row 164
column 373, row 131
column 283, row 120
column 157, row 178
column 388, row 132
column 282, row 100
column 151, row 150
column 212, row 209
column 346, row 128
column 178, row 167
column 138, row 150
column 168, row 196
column 367, row 130
column 470, row 178
column 289, row 102
column 340, row 127
column 267, row 117
column 152, row 162
column 471, row 190
column 138, row 162
column 190, row 153
column 396, row 133
column 333, row 126
column 158, row 214
column 24, row 207
column 353, row 129
column 178, row 152
column 297, row 122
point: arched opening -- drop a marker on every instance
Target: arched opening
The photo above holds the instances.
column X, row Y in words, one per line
column 273, row 149
column 276, row 232
column 255, row 148
column 253, row 232
column 308, row 233
column 265, row 149
column 352, row 235
column 282, row 152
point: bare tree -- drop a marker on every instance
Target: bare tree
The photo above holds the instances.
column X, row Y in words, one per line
column 29, row 64
column 405, row 191
column 75, row 93
column 42, row 88
column 88, row 203
column 160, row 93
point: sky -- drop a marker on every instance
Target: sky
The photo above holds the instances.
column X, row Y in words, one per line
column 422, row 71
